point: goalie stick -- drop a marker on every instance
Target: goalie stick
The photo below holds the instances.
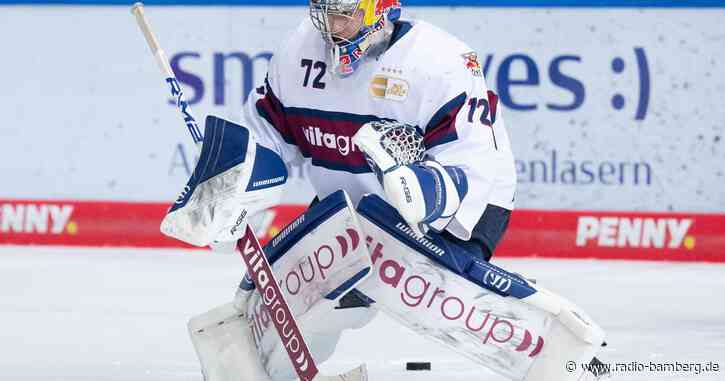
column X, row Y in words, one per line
column 249, row 247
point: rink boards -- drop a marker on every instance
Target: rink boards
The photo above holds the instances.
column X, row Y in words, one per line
column 542, row 233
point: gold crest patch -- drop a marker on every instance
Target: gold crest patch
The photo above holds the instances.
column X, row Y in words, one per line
column 389, row 88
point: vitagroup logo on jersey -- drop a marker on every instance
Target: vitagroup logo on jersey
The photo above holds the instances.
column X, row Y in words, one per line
column 317, row 138
column 37, row 218
column 628, row 232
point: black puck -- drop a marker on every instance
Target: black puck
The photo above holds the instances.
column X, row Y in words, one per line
column 417, row 366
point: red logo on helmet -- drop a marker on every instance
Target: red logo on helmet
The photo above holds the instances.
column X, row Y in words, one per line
column 383, row 5
column 345, row 62
column 357, row 53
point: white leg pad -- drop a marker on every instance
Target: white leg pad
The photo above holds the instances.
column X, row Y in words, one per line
column 224, row 344
column 562, row 348
column 322, row 327
column 573, row 340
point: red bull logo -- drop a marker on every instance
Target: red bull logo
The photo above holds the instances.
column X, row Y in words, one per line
column 383, row 5
column 471, row 61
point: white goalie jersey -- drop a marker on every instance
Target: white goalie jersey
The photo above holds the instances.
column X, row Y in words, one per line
column 426, row 78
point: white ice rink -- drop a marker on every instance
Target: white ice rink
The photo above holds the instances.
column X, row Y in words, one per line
column 120, row 315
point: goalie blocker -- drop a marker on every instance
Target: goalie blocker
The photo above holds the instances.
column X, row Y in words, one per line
column 234, row 178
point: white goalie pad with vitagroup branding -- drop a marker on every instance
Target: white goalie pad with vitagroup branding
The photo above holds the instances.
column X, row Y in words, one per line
column 487, row 314
column 317, row 258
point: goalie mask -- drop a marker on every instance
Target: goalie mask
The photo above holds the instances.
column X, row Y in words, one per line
column 352, row 29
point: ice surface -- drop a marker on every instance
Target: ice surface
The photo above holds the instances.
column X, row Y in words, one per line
column 120, row 314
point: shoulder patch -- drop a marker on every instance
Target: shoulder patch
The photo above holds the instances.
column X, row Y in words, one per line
column 470, row 59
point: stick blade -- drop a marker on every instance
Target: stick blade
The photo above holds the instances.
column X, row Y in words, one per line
column 358, row 374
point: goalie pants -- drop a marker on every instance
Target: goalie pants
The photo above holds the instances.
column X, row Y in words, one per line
column 486, row 234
